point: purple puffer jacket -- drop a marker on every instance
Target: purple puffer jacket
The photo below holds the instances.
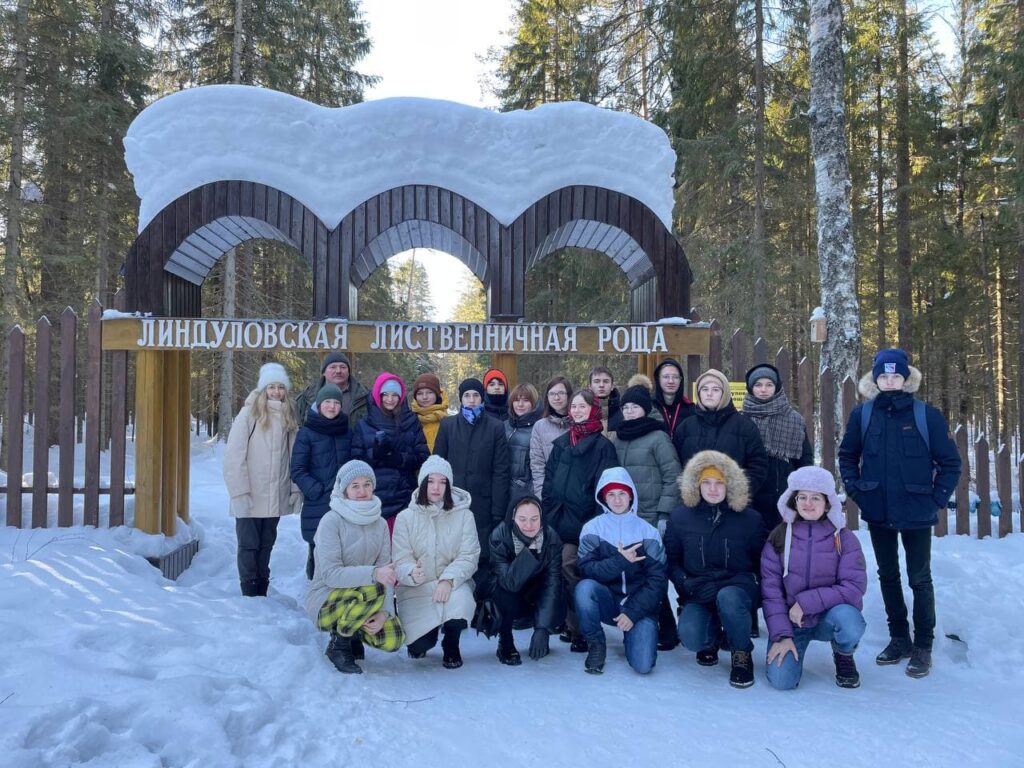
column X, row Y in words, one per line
column 819, row 576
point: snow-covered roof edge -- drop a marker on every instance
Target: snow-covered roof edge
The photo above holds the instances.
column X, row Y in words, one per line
column 334, row 159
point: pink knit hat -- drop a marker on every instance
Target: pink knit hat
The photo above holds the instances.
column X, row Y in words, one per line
column 816, row 480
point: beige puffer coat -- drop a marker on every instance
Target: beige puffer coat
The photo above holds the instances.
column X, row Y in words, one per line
column 256, row 463
column 446, row 546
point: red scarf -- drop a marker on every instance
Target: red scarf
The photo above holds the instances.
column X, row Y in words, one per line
column 579, row 430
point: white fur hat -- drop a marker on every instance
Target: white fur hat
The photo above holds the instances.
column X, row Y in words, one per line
column 273, row 373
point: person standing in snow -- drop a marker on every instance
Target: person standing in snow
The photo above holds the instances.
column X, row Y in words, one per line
column 622, row 576
column 256, row 472
column 321, row 447
column 337, row 370
column 602, row 384
column 813, row 581
column 783, row 433
column 390, row 439
column 900, row 466
column 474, row 444
column 430, row 404
column 436, row 552
column 713, row 542
column 496, row 394
column 522, row 415
column 554, row 423
column 526, row 578
column 353, row 573
column 577, row 460
column 671, row 404
column 645, row 450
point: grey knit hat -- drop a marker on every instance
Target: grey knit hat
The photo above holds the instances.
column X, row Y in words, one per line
column 763, row 371
column 436, row 465
column 349, row 472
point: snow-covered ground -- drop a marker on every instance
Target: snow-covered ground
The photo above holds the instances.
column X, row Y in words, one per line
column 105, row 663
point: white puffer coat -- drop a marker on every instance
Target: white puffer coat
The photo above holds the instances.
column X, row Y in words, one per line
column 256, row 462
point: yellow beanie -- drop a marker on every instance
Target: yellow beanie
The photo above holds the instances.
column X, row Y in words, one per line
column 711, row 472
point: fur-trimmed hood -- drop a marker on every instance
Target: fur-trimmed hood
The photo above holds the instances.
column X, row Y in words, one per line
column 737, row 487
column 869, row 390
column 640, row 380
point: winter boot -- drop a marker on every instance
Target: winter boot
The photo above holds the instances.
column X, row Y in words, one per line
column 358, row 652
column 898, row 648
column 742, row 674
column 579, row 644
column 507, row 652
column 250, row 587
column 262, row 585
column 847, row 675
column 450, row 646
column 708, row 657
column 339, row 651
column 920, row 662
column 596, row 652
column 565, row 636
column 668, row 638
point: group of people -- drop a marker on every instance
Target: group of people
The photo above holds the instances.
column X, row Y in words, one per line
column 574, row 509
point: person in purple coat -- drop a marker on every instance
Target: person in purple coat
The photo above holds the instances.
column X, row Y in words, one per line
column 813, row 581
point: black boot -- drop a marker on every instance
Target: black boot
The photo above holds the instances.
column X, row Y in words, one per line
column 742, row 674
column 507, row 652
column 668, row 638
column 708, row 657
column 565, row 636
column 262, row 585
column 920, row 663
column 358, row 652
column 579, row 644
column 339, row 651
column 596, row 652
column 250, row 587
column 450, row 646
column 847, row 675
column 898, row 649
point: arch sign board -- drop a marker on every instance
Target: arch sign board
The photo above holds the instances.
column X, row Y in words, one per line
column 139, row 334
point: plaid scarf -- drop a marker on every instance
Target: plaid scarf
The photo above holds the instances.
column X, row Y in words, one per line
column 579, row 430
column 782, row 428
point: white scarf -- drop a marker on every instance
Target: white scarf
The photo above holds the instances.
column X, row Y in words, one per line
column 358, row 512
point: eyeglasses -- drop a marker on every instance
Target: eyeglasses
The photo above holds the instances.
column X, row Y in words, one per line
column 557, row 393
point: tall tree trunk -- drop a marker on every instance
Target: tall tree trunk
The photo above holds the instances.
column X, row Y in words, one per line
column 879, row 205
column 988, row 342
column 12, row 203
column 759, row 259
column 904, row 308
column 836, row 255
column 1019, row 133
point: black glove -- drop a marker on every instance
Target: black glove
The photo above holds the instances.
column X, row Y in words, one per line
column 380, row 450
column 392, row 458
column 539, row 644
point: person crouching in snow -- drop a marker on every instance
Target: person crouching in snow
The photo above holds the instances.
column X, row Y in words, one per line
column 713, row 542
column 256, row 472
column 353, row 572
column 436, row 554
column 622, row 568
column 526, row 578
column 813, row 581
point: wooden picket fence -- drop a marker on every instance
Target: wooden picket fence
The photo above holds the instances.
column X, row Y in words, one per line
column 106, row 413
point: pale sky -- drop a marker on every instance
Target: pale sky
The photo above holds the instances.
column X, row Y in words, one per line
column 429, row 48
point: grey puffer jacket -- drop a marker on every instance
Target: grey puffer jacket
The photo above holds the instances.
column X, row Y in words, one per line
column 645, row 450
column 544, row 434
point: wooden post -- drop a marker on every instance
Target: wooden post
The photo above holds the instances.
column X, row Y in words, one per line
column 14, row 432
column 1003, row 488
column 806, row 378
column 828, row 421
column 963, row 485
column 507, row 364
column 170, row 411
column 849, row 401
column 149, row 368
column 93, row 393
column 66, row 428
column 41, row 406
column 784, row 362
column 714, row 348
column 184, row 424
column 738, row 355
column 982, row 483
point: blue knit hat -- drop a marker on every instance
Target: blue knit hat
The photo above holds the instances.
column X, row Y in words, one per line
column 890, row 361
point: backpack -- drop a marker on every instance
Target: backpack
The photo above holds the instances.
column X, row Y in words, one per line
column 920, row 421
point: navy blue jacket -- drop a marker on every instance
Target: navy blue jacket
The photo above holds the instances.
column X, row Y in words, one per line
column 396, row 458
column 321, row 447
column 889, row 472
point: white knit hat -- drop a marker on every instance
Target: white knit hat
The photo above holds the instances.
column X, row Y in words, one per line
column 273, row 373
column 436, row 465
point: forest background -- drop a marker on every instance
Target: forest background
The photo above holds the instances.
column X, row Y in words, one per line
column 935, row 138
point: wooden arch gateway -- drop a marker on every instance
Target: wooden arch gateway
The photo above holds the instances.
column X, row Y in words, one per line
column 166, row 266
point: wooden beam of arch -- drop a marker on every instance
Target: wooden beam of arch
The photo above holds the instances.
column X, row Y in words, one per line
column 169, row 260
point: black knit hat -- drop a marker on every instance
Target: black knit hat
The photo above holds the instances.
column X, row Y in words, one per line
column 638, row 395
column 335, row 357
column 469, row 385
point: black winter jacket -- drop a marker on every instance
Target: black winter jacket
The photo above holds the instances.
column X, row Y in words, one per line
column 478, row 454
column 712, row 546
column 767, row 497
column 570, row 477
column 539, row 575
column 321, row 447
column 518, row 430
column 728, row 431
column 396, row 458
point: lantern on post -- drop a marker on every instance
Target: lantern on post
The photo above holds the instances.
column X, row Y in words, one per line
column 819, row 326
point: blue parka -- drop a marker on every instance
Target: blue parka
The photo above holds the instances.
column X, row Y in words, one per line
column 396, row 457
column 321, row 447
column 896, row 479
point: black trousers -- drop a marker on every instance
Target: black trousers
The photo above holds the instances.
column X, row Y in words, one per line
column 517, row 605
column 256, row 538
column 917, row 546
column 452, row 629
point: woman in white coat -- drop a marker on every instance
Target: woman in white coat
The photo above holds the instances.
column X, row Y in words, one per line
column 256, row 472
column 436, row 552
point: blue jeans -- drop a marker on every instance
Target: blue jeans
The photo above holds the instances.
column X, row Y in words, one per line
column 842, row 625
column 595, row 604
column 699, row 623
